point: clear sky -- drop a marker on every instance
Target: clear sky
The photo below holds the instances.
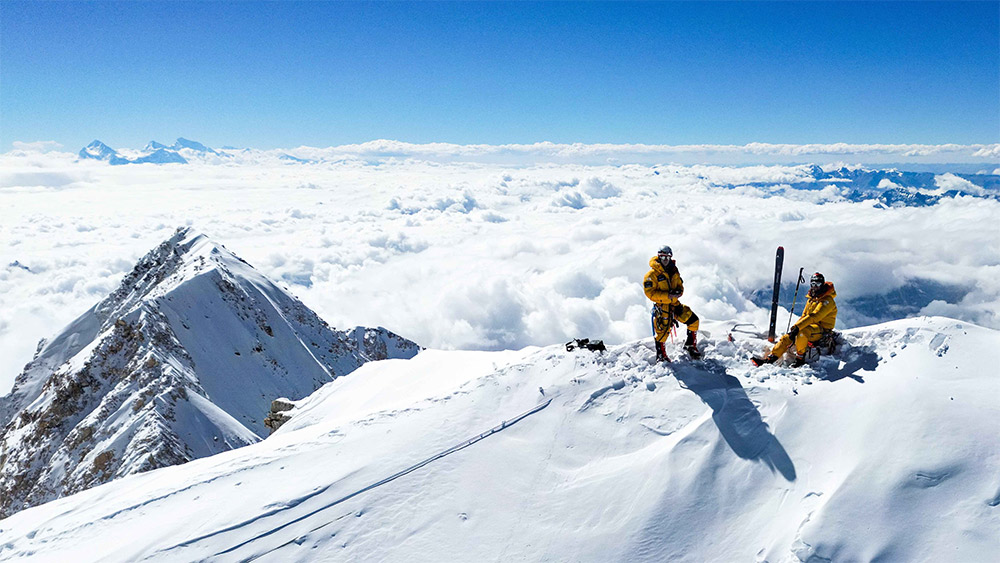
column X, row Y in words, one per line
column 283, row 74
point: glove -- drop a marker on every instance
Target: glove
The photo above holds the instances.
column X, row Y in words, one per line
column 793, row 332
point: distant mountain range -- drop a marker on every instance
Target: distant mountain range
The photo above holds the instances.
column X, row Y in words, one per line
column 182, row 361
column 885, row 186
column 891, row 187
column 153, row 152
column 183, row 151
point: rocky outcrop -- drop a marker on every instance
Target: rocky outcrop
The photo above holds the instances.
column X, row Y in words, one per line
column 279, row 414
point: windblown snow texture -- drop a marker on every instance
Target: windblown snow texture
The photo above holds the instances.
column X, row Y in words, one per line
column 182, row 361
column 878, row 453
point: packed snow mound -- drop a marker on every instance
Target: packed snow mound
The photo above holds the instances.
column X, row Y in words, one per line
column 883, row 451
column 180, row 362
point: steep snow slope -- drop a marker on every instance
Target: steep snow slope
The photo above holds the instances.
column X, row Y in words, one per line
column 885, row 453
column 182, row 361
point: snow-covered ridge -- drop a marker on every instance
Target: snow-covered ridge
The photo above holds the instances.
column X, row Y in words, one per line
column 180, row 362
column 881, row 452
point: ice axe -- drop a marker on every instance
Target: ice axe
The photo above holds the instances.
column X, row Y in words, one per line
column 741, row 328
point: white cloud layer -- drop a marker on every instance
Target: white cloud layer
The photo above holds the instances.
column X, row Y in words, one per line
column 384, row 150
column 36, row 146
column 477, row 255
column 623, row 153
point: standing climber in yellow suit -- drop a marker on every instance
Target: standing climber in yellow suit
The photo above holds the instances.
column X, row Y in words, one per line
column 663, row 286
column 818, row 317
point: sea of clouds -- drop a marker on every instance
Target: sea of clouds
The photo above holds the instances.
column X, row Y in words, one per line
column 457, row 252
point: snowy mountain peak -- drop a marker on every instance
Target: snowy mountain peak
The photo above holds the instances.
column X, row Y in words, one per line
column 183, row 143
column 181, row 361
column 185, row 251
column 98, row 146
column 99, row 151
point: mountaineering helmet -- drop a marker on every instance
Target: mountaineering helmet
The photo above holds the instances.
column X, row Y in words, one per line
column 816, row 282
column 665, row 254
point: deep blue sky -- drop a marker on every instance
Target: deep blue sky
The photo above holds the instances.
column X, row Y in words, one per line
column 282, row 74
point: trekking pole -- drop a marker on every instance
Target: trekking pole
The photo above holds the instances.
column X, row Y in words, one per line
column 794, row 297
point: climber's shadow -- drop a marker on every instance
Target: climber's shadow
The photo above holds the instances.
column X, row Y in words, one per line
column 735, row 415
column 848, row 361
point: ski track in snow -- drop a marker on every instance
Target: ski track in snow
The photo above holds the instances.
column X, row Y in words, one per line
column 296, row 502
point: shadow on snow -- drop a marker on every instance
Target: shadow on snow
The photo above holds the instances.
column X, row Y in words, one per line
column 854, row 360
column 735, row 415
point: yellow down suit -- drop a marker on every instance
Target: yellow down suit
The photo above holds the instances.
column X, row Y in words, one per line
column 819, row 316
column 664, row 286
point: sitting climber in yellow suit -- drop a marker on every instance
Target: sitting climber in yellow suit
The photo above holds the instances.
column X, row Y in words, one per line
column 818, row 317
column 663, row 286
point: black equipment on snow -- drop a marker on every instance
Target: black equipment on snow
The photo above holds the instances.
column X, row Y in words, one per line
column 779, row 259
column 794, row 297
column 586, row 343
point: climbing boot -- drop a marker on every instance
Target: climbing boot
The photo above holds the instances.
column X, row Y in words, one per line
column 691, row 345
column 759, row 361
column 661, row 353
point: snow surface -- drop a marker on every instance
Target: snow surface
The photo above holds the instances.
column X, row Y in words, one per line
column 885, row 451
column 459, row 253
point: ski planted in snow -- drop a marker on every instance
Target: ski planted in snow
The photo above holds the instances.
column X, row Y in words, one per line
column 779, row 259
